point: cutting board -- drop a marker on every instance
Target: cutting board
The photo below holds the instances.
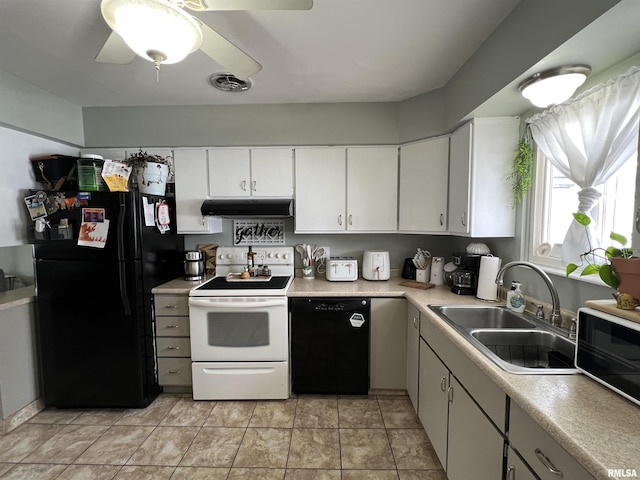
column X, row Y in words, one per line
column 414, row 284
column 609, row 306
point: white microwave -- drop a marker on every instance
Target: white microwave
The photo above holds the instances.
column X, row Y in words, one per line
column 608, row 350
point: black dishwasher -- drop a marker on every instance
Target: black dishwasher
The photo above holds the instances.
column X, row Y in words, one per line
column 330, row 345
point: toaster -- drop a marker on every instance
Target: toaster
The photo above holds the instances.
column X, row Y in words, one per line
column 342, row 269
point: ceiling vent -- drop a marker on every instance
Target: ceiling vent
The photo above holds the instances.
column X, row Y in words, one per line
column 228, row 83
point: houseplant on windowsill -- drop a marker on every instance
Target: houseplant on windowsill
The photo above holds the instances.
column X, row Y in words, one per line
column 615, row 265
column 150, row 171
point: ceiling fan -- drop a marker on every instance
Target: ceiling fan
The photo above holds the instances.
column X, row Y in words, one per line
column 162, row 32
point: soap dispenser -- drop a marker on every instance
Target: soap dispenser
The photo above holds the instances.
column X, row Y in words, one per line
column 516, row 300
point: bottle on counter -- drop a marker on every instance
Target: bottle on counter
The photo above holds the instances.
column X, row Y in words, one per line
column 516, row 300
column 250, row 261
column 510, row 293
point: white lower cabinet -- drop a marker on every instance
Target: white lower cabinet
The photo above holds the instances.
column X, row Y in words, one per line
column 465, row 416
column 467, row 444
column 468, row 441
column 388, row 344
column 413, row 353
column 517, row 469
column 546, row 458
column 474, row 447
column 433, row 406
column 173, row 345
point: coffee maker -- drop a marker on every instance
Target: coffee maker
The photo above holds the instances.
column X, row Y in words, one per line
column 465, row 278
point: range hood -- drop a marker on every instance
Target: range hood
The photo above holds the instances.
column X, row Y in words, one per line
column 248, row 208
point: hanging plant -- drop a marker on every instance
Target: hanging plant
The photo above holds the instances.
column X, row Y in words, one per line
column 521, row 170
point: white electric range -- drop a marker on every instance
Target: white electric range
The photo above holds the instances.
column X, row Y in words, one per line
column 240, row 327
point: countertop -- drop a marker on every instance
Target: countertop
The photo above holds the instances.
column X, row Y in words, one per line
column 599, row 428
column 19, row 296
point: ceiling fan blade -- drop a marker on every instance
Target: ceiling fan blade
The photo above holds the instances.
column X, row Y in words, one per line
column 227, row 54
column 115, row 50
column 220, row 5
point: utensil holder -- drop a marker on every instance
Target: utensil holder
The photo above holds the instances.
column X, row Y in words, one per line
column 309, row 272
column 422, row 275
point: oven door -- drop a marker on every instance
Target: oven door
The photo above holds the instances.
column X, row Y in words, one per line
column 229, row 329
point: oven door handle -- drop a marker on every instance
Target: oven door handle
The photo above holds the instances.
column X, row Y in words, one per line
column 254, row 303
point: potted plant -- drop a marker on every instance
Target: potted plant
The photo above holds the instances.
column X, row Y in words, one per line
column 615, row 265
column 521, row 167
column 150, row 171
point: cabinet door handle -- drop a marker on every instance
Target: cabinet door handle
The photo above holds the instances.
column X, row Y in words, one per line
column 463, row 219
column 450, row 393
column 350, row 219
column 170, row 306
column 203, row 220
column 173, row 348
column 173, row 326
column 243, row 185
column 443, row 384
column 175, row 371
column 340, row 219
column 415, row 323
column 441, row 219
column 253, row 185
column 511, row 472
column 547, row 463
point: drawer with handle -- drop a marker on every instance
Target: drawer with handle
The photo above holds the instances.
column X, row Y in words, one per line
column 173, row 347
column 174, row 371
column 172, row 326
column 545, row 456
column 171, row 305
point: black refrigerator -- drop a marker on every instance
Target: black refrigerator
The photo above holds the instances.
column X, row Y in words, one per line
column 94, row 305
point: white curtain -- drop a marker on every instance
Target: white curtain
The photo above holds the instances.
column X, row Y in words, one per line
column 588, row 139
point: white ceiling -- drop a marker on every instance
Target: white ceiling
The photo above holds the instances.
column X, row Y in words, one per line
column 339, row 51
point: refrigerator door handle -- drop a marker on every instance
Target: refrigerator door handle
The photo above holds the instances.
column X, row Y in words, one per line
column 123, row 288
column 121, row 217
column 121, row 264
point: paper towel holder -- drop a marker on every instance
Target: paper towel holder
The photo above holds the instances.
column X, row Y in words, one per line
column 487, row 290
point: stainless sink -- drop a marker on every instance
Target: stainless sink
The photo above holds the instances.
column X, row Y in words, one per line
column 516, row 342
column 535, row 349
column 485, row 317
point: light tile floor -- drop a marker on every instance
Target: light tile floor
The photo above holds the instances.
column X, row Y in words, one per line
column 309, row 437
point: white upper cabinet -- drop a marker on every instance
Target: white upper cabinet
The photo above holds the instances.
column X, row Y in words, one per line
column 424, row 173
column 346, row 190
column 191, row 190
column 320, row 189
column 372, row 189
column 255, row 172
column 272, row 172
column 481, row 153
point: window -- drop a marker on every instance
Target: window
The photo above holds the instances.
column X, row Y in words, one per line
column 555, row 199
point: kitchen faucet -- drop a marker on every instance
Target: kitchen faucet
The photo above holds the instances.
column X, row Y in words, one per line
column 555, row 318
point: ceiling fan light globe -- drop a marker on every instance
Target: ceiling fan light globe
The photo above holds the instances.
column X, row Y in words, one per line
column 153, row 25
column 554, row 87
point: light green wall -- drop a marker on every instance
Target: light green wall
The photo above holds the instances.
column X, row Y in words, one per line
column 27, row 108
column 533, row 30
column 224, row 125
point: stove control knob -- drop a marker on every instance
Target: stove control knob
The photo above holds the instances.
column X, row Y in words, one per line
column 285, row 256
column 277, row 255
column 270, row 255
column 220, row 257
column 229, row 256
